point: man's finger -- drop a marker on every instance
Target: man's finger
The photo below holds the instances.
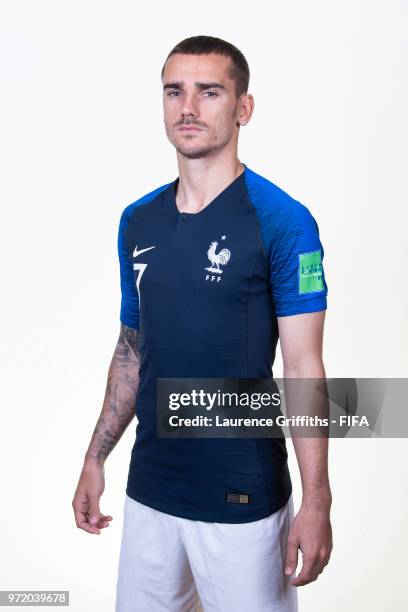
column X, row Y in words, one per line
column 291, row 556
column 82, row 522
column 94, row 511
column 89, row 528
column 103, row 521
column 308, row 573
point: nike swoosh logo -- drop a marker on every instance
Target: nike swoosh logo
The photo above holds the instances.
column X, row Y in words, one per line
column 136, row 252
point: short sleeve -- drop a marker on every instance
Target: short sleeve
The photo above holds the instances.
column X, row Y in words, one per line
column 129, row 308
column 297, row 275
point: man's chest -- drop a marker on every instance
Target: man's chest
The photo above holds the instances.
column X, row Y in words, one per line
column 186, row 257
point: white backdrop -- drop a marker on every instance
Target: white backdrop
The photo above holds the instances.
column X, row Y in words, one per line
column 82, row 136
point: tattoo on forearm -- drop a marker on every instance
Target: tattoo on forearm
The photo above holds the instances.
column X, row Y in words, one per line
column 119, row 402
column 131, row 337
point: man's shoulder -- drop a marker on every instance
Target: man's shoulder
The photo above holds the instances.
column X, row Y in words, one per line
column 144, row 199
column 272, row 202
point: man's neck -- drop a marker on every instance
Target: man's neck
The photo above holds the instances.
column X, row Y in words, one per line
column 201, row 180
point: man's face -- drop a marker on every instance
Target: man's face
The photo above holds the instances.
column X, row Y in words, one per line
column 199, row 102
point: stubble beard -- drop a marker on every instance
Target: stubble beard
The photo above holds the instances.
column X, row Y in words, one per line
column 201, row 150
column 196, row 154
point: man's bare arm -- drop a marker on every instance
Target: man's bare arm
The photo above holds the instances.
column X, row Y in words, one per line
column 119, row 403
column 301, row 338
column 117, row 412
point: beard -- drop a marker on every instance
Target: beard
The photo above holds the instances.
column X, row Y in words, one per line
column 196, row 151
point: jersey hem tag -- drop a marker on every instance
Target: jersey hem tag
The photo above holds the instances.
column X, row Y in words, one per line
column 237, row 498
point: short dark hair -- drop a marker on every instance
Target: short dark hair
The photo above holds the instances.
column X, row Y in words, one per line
column 204, row 45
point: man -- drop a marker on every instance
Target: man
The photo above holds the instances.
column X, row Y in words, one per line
column 215, row 266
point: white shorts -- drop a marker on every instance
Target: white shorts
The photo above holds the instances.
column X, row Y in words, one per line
column 171, row 564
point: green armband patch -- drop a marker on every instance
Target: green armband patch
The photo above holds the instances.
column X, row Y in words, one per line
column 310, row 272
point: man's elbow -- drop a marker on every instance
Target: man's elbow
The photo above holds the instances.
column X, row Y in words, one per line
column 305, row 366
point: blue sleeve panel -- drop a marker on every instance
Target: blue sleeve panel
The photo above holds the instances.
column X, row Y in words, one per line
column 294, row 253
column 129, row 307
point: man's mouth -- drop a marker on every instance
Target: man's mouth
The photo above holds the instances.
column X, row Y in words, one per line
column 190, row 128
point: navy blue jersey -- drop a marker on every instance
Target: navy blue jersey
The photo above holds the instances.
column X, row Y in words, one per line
column 204, row 290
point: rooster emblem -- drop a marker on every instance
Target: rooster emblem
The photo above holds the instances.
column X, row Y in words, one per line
column 217, row 258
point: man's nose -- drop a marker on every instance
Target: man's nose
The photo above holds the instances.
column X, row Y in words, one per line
column 190, row 105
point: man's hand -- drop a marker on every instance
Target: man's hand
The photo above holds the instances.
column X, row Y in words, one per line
column 86, row 499
column 311, row 532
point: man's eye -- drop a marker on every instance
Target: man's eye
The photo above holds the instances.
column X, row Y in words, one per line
column 213, row 94
column 173, row 92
